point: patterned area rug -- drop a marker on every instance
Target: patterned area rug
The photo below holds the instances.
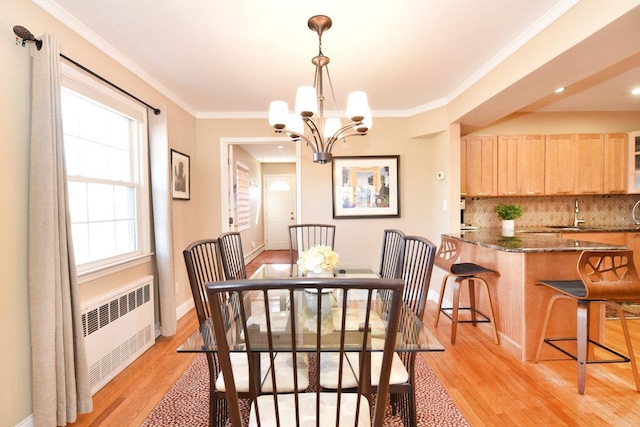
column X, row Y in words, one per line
column 186, row 404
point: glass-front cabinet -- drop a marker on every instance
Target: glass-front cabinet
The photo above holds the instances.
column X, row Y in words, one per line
column 634, row 162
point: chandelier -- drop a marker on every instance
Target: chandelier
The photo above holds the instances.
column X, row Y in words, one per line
column 321, row 132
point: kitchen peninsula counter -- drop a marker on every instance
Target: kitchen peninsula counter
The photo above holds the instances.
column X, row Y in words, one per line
column 520, row 304
column 539, row 241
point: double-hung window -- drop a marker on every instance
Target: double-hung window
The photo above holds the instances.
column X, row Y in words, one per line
column 105, row 139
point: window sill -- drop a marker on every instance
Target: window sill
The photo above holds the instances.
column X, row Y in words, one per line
column 96, row 273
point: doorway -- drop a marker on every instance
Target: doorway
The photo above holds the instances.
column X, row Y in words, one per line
column 226, row 178
column 279, row 195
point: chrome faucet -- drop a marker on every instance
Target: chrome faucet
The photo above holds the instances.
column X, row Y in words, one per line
column 576, row 211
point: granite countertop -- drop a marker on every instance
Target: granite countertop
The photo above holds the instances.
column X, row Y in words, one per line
column 539, row 241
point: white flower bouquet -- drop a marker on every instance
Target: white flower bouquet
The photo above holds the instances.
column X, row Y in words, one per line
column 317, row 259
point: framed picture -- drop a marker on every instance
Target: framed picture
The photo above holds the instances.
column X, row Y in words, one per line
column 180, row 176
column 366, row 187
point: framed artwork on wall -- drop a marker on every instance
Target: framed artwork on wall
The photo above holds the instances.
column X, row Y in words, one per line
column 180, row 176
column 366, row 187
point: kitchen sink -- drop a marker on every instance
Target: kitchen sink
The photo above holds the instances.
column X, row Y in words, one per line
column 568, row 228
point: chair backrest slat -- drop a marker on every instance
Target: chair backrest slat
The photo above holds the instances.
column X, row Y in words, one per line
column 392, row 254
column 268, row 331
column 232, row 256
column 304, row 236
column 203, row 263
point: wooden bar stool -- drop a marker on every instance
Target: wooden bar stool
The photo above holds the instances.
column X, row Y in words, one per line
column 446, row 257
column 606, row 277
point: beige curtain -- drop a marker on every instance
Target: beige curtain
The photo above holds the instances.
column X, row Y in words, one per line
column 60, row 378
column 159, row 162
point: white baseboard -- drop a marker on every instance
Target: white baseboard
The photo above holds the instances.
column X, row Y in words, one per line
column 27, row 422
column 184, row 308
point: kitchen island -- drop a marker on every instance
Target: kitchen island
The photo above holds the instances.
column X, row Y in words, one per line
column 520, row 304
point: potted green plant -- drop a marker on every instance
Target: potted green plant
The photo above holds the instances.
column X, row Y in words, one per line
column 508, row 213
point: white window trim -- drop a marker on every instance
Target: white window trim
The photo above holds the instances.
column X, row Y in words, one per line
column 77, row 81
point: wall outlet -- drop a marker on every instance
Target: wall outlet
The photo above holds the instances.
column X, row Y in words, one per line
column 253, row 244
column 177, row 288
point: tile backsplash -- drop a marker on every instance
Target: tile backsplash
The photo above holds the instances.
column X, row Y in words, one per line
column 554, row 210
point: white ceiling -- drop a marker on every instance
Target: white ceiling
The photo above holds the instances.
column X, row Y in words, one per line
column 222, row 58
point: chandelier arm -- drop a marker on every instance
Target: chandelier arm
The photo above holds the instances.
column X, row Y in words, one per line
column 295, row 136
column 342, row 137
column 317, row 136
column 340, row 134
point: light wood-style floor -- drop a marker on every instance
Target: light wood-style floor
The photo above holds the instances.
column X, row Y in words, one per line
column 489, row 386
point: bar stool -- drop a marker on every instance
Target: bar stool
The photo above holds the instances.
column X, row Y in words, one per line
column 606, row 277
column 448, row 253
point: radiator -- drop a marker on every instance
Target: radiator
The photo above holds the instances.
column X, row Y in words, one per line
column 118, row 327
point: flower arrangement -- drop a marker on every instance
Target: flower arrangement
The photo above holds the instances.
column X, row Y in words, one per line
column 317, row 259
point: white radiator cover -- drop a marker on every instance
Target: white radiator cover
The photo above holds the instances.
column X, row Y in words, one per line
column 118, row 327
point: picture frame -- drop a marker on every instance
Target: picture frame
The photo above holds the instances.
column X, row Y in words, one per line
column 366, row 187
column 180, row 175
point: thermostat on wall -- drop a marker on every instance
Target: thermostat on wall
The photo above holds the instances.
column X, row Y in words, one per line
column 440, row 175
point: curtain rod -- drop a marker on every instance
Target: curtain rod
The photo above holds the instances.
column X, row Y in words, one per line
column 27, row 36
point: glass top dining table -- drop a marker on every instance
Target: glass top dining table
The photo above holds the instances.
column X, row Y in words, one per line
column 413, row 335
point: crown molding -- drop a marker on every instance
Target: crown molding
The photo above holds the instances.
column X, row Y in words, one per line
column 86, row 33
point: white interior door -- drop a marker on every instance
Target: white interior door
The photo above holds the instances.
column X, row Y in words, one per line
column 280, row 202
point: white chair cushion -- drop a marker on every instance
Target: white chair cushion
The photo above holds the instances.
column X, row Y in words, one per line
column 307, row 407
column 284, row 372
column 351, row 368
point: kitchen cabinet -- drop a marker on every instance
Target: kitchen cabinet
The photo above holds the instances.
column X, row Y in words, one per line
column 633, row 185
column 615, row 163
column 480, row 165
column 589, row 165
column 463, row 167
column 508, row 163
column 531, row 154
column 521, row 165
column 559, row 165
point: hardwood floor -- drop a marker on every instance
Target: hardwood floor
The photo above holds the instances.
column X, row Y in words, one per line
column 489, row 386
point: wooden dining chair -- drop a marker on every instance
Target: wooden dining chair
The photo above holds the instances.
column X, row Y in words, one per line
column 606, row 278
column 232, row 256
column 392, row 253
column 304, row 236
column 202, row 260
column 416, row 267
column 204, row 265
column 299, row 332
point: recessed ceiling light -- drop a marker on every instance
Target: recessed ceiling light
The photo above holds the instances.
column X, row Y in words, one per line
column 560, row 90
column 280, row 147
column 635, row 91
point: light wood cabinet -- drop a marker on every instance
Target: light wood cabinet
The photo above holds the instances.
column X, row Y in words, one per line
column 633, row 156
column 615, row 163
column 480, row 165
column 508, row 164
column 521, row 165
column 559, row 167
column 531, row 154
column 553, row 165
column 463, row 167
column 589, row 164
